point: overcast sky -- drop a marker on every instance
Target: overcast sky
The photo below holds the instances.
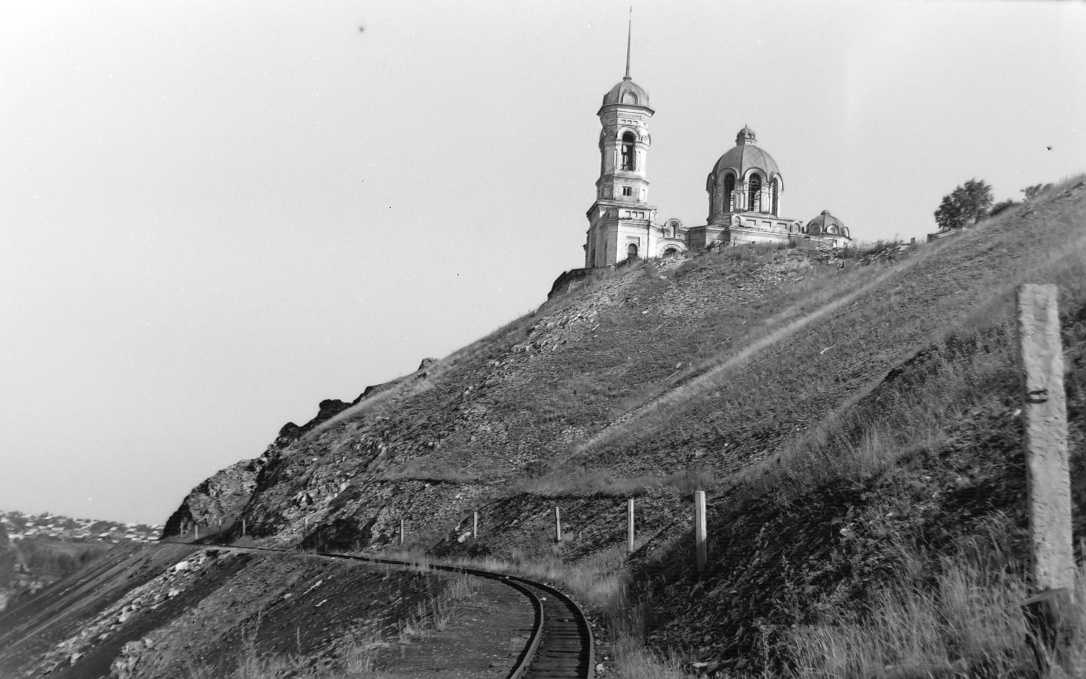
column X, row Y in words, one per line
column 217, row 213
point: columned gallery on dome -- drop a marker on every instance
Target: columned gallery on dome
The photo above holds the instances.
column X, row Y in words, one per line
column 745, row 187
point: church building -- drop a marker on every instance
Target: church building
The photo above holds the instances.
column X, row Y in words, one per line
column 744, row 187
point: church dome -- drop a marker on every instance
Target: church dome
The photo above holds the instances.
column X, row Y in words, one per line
column 746, row 155
column 826, row 224
column 627, row 93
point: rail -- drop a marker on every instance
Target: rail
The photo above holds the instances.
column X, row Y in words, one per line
column 560, row 644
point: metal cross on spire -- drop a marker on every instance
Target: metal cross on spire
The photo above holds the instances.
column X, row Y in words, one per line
column 629, row 33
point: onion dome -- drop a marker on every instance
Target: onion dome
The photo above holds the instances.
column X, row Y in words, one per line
column 826, row 224
column 746, row 155
column 627, row 93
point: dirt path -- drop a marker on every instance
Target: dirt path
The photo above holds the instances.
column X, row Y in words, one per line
column 658, row 410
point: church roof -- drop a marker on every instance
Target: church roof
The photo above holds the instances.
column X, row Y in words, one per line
column 746, row 155
column 825, row 223
column 627, row 93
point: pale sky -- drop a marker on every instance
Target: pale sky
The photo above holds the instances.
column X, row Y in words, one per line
column 217, row 213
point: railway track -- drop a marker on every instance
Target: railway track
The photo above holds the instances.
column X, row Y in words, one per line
column 565, row 647
column 560, row 645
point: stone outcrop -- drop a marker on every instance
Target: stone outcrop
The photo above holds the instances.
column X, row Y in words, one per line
column 216, row 505
column 7, row 567
column 218, row 501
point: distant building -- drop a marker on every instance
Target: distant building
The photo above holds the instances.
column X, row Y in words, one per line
column 744, row 187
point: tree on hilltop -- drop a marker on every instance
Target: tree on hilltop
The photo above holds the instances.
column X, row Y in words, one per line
column 966, row 204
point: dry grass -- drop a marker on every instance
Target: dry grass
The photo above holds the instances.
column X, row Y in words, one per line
column 858, row 442
column 419, row 469
column 598, row 583
column 972, row 366
column 966, row 621
column 581, row 482
column 359, row 657
column 632, row 660
column 711, row 374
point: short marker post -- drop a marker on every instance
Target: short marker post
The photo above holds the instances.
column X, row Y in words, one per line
column 557, row 524
column 401, row 533
column 475, row 525
column 1048, row 479
column 701, row 553
column 243, row 527
column 630, row 525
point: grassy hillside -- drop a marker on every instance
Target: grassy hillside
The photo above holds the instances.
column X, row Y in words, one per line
column 855, row 422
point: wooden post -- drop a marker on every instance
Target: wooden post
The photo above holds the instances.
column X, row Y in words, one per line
column 1048, row 479
column 557, row 524
column 305, row 525
column 1047, row 471
column 243, row 526
column 195, row 531
column 475, row 525
column 701, row 553
column 630, row 525
column 401, row 533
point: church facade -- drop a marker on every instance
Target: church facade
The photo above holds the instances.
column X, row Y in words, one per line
column 744, row 187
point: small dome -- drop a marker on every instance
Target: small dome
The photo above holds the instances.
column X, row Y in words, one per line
column 746, row 155
column 627, row 93
column 826, row 224
column 746, row 135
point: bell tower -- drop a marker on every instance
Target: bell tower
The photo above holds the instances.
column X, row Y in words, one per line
column 620, row 220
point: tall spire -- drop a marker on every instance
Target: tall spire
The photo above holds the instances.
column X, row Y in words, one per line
column 629, row 33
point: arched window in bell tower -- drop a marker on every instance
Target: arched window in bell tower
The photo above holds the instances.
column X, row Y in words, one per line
column 629, row 151
column 754, row 193
column 729, row 187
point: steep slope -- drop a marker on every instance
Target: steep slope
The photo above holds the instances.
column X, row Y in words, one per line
column 173, row 611
column 786, row 385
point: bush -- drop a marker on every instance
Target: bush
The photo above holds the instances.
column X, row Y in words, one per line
column 966, row 204
column 1032, row 192
column 1001, row 206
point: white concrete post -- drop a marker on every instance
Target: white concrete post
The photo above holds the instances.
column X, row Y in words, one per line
column 475, row 525
column 305, row 525
column 557, row 524
column 701, row 553
column 195, row 532
column 1047, row 471
column 243, row 527
column 401, row 533
column 630, row 525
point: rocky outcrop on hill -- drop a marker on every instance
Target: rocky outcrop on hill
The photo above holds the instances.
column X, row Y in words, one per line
column 7, row 566
column 216, row 505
